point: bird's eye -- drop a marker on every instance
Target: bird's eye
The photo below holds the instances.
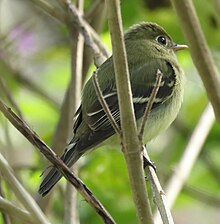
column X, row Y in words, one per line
column 162, row 40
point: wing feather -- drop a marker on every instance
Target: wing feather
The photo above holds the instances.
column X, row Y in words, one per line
column 96, row 118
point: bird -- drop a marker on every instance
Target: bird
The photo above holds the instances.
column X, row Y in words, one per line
column 149, row 48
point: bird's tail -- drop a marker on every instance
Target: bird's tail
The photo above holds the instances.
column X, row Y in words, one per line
column 69, row 157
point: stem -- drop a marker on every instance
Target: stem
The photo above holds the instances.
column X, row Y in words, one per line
column 22, row 195
column 131, row 146
column 57, row 162
column 201, row 54
column 77, row 44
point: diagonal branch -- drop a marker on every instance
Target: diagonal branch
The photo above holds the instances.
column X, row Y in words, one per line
column 22, row 195
column 201, row 54
column 104, row 104
column 92, row 39
column 77, row 20
column 158, row 193
column 57, row 162
column 159, row 196
column 4, row 89
column 150, row 104
column 13, row 210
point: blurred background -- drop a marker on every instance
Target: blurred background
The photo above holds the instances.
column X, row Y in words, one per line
column 35, row 67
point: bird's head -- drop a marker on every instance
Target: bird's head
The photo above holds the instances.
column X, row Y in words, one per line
column 153, row 37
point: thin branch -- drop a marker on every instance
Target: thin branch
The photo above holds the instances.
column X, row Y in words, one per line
column 23, row 196
column 210, row 164
column 7, row 93
column 158, row 193
column 93, row 9
column 77, row 46
column 150, row 104
column 59, row 140
column 209, row 198
column 51, row 10
column 29, row 84
column 131, row 146
column 13, row 210
column 191, row 152
column 5, row 217
column 33, row 138
column 82, row 27
column 201, row 54
column 92, row 39
column 104, row 104
column 33, row 87
column 159, row 196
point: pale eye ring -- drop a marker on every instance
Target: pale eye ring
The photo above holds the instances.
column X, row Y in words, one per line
column 162, row 40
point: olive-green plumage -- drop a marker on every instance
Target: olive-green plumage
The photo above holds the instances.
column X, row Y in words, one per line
column 148, row 48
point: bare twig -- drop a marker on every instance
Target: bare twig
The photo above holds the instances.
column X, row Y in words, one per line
column 82, row 27
column 201, row 54
column 193, row 148
column 77, row 46
column 33, row 87
column 158, row 193
column 92, row 39
column 209, row 198
column 19, row 213
column 7, row 93
column 104, row 104
column 5, row 215
column 21, row 193
column 132, row 148
column 150, row 104
column 51, row 10
column 57, row 162
column 211, row 165
column 29, row 84
column 92, row 11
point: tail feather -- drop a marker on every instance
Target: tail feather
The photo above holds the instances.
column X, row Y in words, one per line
column 69, row 157
column 49, row 181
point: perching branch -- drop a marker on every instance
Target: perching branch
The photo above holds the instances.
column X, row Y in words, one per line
column 56, row 161
column 130, row 141
column 158, row 193
column 159, row 196
column 201, row 54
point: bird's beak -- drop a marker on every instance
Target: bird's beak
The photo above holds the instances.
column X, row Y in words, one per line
column 178, row 47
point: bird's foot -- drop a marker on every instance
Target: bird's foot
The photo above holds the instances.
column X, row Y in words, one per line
column 148, row 162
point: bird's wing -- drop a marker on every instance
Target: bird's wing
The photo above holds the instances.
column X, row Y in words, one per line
column 97, row 119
